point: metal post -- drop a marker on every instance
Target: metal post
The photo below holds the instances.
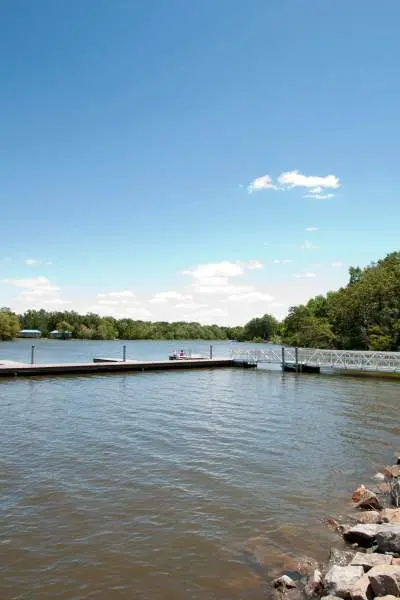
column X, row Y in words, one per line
column 296, row 354
column 283, row 358
column 124, row 353
column 32, row 355
column 211, row 351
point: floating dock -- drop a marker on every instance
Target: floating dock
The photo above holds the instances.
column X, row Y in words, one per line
column 110, row 365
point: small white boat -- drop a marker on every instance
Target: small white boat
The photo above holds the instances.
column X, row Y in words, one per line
column 184, row 355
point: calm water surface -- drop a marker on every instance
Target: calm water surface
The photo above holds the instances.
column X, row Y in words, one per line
column 178, row 485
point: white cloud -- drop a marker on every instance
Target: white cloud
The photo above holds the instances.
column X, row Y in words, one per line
column 319, row 196
column 254, row 264
column 337, row 264
column 305, row 275
column 251, row 297
column 261, row 183
column 311, row 229
column 206, row 316
column 191, row 305
column 35, row 261
column 57, row 302
column 120, row 312
column 314, row 184
column 39, row 283
column 308, row 245
column 124, row 294
column 284, row 261
column 223, row 289
column 293, row 179
column 163, row 297
column 210, row 271
column 109, row 302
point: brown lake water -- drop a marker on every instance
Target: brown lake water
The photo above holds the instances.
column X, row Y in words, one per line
column 176, row 485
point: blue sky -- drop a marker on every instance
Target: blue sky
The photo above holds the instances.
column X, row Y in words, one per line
column 164, row 160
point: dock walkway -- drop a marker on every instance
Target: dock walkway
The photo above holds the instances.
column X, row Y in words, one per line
column 109, row 365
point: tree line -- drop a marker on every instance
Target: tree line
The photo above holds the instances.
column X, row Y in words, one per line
column 365, row 314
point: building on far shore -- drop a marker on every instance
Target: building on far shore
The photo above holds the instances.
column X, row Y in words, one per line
column 30, row 333
column 60, row 335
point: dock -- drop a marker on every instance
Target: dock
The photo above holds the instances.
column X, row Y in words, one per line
column 110, row 365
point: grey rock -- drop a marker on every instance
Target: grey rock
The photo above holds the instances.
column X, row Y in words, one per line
column 391, row 515
column 367, row 561
column 362, row 589
column 385, row 580
column 364, row 535
column 284, row 582
column 368, row 517
column 341, row 558
column 314, row 584
column 388, row 538
column 340, row 580
column 330, row 597
column 386, row 598
column 369, row 500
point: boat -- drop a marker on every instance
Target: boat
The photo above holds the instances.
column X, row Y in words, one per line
column 186, row 355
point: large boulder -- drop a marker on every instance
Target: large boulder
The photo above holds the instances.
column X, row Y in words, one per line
column 340, row 557
column 368, row 500
column 387, row 537
column 393, row 471
column 390, row 515
column 284, row 582
column 364, row 535
column 362, row 589
column 367, row 517
column 340, row 580
column 367, row 561
column 385, row 580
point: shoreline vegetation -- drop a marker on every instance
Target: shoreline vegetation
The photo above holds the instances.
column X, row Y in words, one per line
column 366, row 564
column 363, row 315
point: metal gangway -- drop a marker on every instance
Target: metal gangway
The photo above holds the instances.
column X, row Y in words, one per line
column 357, row 360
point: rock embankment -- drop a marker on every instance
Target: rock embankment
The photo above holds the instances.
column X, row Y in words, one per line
column 369, row 569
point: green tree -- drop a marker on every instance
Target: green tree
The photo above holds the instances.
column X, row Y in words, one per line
column 9, row 325
column 260, row 328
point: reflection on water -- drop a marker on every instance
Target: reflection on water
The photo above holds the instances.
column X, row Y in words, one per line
column 178, row 485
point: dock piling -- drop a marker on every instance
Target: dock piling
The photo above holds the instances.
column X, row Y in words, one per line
column 124, row 353
column 283, row 359
column 211, row 351
column 32, row 355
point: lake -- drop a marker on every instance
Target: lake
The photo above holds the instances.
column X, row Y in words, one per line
column 176, row 485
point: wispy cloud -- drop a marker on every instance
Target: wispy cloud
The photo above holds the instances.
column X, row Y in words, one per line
column 123, row 294
column 284, row 261
column 251, row 297
column 215, row 271
column 315, row 185
column 308, row 245
column 337, row 264
column 163, row 297
column 305, row 275
column 311, row 229
column 293, row 179
column 319, row 196
column 37, row 284
column 36, row 262
column 254, row 264
column 191, row 305
column 261, row 183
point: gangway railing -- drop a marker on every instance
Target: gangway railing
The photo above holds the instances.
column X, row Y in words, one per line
column 314, row 357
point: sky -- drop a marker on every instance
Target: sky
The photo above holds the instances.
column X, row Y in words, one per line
column 206, row 161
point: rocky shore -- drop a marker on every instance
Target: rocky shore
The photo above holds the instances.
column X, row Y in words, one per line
column 366, row 563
